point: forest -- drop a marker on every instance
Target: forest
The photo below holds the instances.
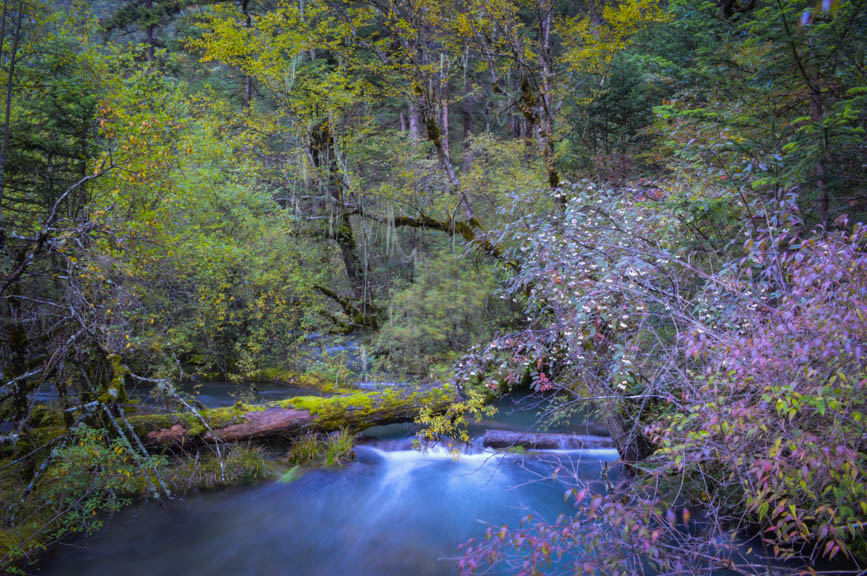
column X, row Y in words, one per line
column 425, row 287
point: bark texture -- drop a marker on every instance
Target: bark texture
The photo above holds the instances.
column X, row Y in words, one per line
column 291, row 417
column 540, row 441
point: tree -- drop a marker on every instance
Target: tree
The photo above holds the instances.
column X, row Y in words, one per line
column 145, row 17
column 786, row 98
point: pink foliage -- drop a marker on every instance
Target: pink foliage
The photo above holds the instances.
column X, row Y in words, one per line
column 760, row 397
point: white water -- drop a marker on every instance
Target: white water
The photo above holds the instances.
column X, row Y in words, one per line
column 394, row 511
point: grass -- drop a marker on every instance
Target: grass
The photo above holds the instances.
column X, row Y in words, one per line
column 331, row 449
column 240, row 464
column 305, row 450
column 339, row 447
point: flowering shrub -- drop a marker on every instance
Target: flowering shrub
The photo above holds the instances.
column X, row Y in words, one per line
column 733, row 379
column 603, row 298
column 780, row 402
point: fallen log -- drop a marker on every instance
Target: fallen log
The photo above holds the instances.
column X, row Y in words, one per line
column 291, row 417
column 539, row 441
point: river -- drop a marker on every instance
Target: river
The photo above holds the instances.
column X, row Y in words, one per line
column 393, row 511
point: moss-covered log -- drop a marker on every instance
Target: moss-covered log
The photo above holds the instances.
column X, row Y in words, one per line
column 290, row 417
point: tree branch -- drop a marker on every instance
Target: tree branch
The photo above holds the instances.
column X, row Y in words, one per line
column 468, row 230
column 359, row 319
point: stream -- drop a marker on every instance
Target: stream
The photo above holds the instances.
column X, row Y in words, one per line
column 393, row 511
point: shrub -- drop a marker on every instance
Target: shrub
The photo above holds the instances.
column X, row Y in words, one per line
column 748, row 396
column 781, row 399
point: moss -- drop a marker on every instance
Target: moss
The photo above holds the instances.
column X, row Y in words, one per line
column 306, row 380
column 43, row 416
column 317, row 405
column 433, row 131
column 215, row 418
column 45, row 434
column 330, row 412
column 222, row 417
column 17, row 544
column 44, row 425
column 116, row 389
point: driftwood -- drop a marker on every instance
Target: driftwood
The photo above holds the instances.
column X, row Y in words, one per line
column 538, row 441
column 291, row 417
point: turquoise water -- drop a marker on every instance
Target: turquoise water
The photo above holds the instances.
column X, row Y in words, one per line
column 393, row 511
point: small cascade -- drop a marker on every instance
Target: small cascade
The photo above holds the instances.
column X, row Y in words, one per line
column 395, row 510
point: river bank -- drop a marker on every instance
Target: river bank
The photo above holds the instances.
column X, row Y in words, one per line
column 201, row 474
column 393, row 510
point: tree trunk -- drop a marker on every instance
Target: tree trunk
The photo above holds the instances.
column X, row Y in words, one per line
column 149, row 4
column 467, row 117
column 289, row 418
column 248, row 80
column 546, row 108
column 630, row 442
column 322, row 152
column 817, row 116
column 346, row 241
column 444, row 121
column 413, row 120
column 10, row 83
column 538, row 441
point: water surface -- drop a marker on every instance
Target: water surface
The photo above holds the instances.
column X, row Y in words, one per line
column 394, row 511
